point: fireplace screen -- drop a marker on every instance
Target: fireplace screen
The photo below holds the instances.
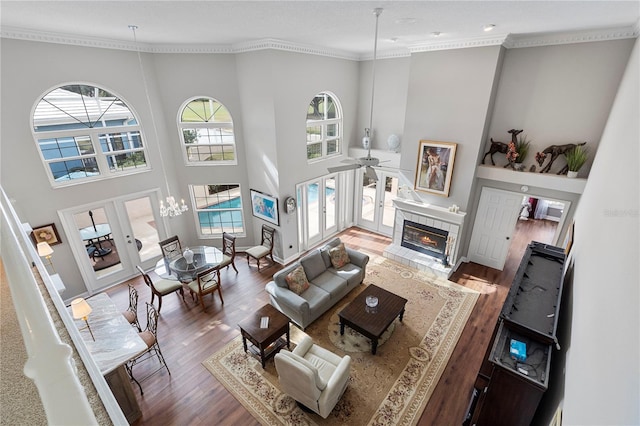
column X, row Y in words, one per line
column 425, row 239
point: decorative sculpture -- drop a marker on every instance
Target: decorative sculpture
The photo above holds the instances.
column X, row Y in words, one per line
column 501, row 147
column 555, row 151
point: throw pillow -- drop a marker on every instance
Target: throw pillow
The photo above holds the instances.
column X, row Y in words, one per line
column 339, row 256
column 297, row 280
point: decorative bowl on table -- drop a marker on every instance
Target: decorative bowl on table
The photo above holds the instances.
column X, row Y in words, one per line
column 371, row 301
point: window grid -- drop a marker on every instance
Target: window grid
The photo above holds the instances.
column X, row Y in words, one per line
column 324, row 127
column 69, row 125
column 206, row 132
column 218, row 209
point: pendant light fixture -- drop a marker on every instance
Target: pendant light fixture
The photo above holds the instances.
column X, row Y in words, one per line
column 172, row 208
column 368, row 131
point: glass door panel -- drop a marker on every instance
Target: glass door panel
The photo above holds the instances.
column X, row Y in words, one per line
column 313, row 211
column 317, row 210
column 330, row 222
column 376, row 207
column 368, row 203
column 96, row 232
column 143, row 226
column 388, row 211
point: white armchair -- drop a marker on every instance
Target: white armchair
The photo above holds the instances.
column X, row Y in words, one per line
column 313, row 376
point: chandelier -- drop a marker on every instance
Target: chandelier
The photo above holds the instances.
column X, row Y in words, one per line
column 172, row 208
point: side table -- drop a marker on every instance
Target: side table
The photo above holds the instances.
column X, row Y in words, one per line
column 265, row 342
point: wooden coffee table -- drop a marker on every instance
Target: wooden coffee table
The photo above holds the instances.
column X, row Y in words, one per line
column 265, row 342
column 370, row 322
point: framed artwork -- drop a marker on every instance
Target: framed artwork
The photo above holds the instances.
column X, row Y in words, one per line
column 435, row 167
column 46, row 233
column 264, row 207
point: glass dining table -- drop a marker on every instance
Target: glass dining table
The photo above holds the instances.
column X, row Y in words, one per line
column 204, row 257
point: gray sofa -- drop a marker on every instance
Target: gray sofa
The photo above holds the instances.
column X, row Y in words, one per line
column 327, row 284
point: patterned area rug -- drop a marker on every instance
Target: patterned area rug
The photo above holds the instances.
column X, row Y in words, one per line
column 391, row 387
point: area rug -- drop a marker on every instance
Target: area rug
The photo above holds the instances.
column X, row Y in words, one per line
column 389, row 388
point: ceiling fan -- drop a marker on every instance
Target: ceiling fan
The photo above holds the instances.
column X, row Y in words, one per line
column 368, row 162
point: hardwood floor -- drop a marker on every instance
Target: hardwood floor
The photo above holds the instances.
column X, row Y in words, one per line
column 187, row 336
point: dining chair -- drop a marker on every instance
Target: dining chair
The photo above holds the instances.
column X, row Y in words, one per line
column 207, row 281
column 171, row 247
column 228, row 251
column 131, row 314
column 150, row 338
column 161, row 287
column 265, row 248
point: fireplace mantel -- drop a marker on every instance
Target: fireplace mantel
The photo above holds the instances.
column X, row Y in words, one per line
column 430, row 210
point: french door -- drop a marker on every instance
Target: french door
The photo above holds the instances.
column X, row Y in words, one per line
column 109, row 238
column 317, row 210
column 376, row 211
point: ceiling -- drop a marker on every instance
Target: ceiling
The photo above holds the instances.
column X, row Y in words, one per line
column 343, row 26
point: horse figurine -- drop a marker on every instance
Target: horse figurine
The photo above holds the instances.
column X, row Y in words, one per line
column 501, row 147
column 556, row 151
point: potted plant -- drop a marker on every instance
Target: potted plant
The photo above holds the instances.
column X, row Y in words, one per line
column 522, row 148
column 576, row 157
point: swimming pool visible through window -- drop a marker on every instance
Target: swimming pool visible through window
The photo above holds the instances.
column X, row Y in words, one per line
column 219, row 209
column 87, row 133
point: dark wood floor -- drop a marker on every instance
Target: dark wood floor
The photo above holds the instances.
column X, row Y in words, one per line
column 191, row 395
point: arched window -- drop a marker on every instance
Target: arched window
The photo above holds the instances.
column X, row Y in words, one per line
column 206, row 133
column 324, row 127
column 85, row 132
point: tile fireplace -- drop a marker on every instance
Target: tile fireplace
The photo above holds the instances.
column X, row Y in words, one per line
column 425, row 237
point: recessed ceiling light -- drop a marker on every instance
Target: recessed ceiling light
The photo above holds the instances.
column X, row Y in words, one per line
column 393, row 39
column 489, row 27
column 436, row 34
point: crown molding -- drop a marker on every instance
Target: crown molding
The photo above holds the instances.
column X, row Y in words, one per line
column 429, row 46
column 509, row 41
column 401, row 52
column 515, row 41
column 57, row 38
column 274, row 44
column 190, row 48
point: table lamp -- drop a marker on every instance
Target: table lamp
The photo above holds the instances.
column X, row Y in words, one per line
column 45, row 250
column 81, row 310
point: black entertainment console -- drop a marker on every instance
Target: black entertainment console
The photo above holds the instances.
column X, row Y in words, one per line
column 508, row 389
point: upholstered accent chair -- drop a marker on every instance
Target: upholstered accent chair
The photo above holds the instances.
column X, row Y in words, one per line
column 265, row 248
column 315, row 377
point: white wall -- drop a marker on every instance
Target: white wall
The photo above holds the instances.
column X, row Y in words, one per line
column 390, row 100
column 557, row 95
column 602, row 371
column 448, row 100
column 276, row 89
column 31, row 69
column 184, row 76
